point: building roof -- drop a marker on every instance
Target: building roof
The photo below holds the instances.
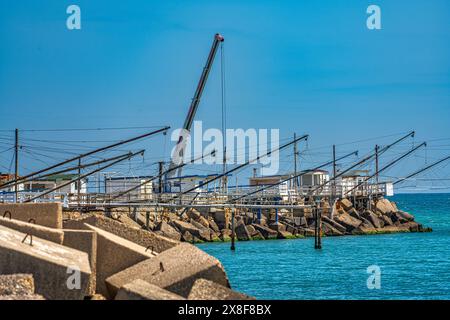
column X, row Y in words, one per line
column 129, row 177
column 197, row 176
column 356, row 173
column 286, row 175
column 59, row 177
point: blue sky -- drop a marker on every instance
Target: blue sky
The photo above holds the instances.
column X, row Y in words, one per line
column 301, row 66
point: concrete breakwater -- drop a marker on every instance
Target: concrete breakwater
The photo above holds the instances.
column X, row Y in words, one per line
column 97, row 257
column 46, row 253
column 213, row 225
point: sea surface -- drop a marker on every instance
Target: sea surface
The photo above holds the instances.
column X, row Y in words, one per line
column 412, row 265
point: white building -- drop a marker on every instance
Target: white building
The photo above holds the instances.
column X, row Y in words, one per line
column 123, row 183
column 288, row 189
column 184, row 183
column 54, row 181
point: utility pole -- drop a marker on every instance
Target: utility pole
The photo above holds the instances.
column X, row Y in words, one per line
column 79, row 182
column 334, row 174
column 317, row 226
column 295, row 162
column 376, row 164
column 224, row 169
column 16, row 160
column 160, row 180
column 233, row 233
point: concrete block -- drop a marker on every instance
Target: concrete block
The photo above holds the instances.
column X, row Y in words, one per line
column 168, row 231
column 265, row 231
column 45, row 214
column 175, row 270
column 16, row 284
column 346, row 204
column 384, row 206
column 207, row 290
column 115, row 254
column 50, row 234
column 242, row 234
column 197, row 231
column 85, row 241
column 52, row 265
column 139, row 236
column 141, row 290
column 22, row 297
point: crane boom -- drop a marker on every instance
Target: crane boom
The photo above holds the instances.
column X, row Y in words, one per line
column 201, row 84
column 178, row 154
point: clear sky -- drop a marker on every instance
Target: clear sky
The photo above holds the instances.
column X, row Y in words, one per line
column 301, row 66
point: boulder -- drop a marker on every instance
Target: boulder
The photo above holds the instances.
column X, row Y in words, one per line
column 394, row 206
column 214, row 236
column 306, row 232
column 222, row 218
column 251, row 229
column 384, row 206
column 290, row 228
column 265, row 231
column 355, row 214
column 284, row 235
column 213, row 225
column 411, row 226
column 334, row 224
column 401, row 215
column 16, row 284
column 387, row 220
column 346, row 204
column 141, row 290
column 141, row 219
column 257, row 235
column 366, row 223
column 200, row 233
column 225, row 235
column 347, row 221
column 168, row 231
column 373, row 218
column 207, row 290
column 277, row 226
column 193, row 214
column 174, row 270
column 188, row 237
column 22, row 297
column 242, row 233
column 301, row 221
column 329, row 230
column 203, row 221
column 364, row 229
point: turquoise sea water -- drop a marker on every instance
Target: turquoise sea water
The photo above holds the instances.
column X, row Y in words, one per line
column 413, row 265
